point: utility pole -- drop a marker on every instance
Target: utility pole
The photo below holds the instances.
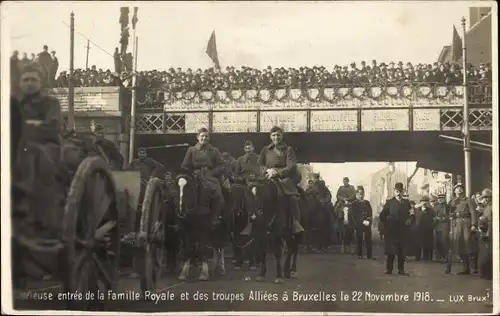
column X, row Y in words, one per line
column 131, row 148
column 71, row 90
column 466, row 127
column 87, row 58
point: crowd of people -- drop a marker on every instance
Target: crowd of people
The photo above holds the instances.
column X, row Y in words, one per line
column 247, row 78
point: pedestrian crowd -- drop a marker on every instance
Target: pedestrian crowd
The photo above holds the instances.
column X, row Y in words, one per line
column 442, row 231
column 247, row 78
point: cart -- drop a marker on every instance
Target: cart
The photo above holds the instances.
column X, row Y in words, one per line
column 98, row 224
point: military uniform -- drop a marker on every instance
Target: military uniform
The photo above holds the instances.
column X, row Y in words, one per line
column 346, row 192
column 442, row 229
column 486, row 240
column 39, row 152
column 362, row 211
column 247, row 166
column 148, row 167
column 282, row 158
column 464, row 218
column 208, row 160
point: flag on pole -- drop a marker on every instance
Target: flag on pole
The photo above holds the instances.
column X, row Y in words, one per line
column 134, row 18
column 456, row 48
column 212, row 50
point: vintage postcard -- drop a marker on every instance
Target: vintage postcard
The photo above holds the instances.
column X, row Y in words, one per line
column 250, row 157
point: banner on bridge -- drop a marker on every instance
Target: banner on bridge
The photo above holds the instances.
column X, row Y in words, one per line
column 334, row 121
column 90, row 99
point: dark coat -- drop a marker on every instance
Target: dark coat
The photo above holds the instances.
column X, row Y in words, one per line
column 208, row 160
column 362, row 210
column 247, row 165
column 396, row 218
column 464, row 217
column 282, row 158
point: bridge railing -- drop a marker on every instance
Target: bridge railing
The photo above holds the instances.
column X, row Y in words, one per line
column 330, row 95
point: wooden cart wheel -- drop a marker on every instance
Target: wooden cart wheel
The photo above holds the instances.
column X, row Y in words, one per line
column 150, row 259
column 91, row 233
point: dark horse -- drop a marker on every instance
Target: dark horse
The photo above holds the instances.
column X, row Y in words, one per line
column 192, row 206
column 238, row 219
column 272, row 228
column 195, row 230
column 345, row 224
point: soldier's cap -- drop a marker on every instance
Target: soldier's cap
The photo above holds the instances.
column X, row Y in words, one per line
column 360, row 190
column 346, row 179
column 140, row 148
column 248, row 143
column 45, row 47
column 441, row 195
column 486, row 193
column 399, row 186
column 458, row 185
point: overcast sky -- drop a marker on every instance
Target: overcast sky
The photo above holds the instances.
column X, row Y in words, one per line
column 256, row 34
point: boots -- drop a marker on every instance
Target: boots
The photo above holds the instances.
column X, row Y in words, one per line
column 185, row 271
column 474, row 263
column 466, row 264
column 295, row 212
column 204, row 275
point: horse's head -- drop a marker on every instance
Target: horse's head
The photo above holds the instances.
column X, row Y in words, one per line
column 186, row 198
column 262, row 194
column 344, row 209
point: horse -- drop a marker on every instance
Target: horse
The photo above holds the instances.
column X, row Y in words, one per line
column 238, row 220
column 345, row 224
column 271, row 227
column 192, row 208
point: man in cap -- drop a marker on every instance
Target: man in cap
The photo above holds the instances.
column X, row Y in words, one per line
column 108, row 147
column 486, row 242
column 442, row 229
column 363, row 215
column 424, row 220
column 346, row 191
column 324, row 197
column 247, row 166
column 147, row 166
column 463, row 227
column 396, row 217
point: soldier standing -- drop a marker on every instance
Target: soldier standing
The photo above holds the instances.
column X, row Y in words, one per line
column 442, row 229
column 363, row 215
column 396, row 217
column 146, row 165
column 464, row 226
column 486, row 242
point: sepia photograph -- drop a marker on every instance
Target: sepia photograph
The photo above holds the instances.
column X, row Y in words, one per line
column 250, row 157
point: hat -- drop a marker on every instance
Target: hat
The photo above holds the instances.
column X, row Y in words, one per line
column 459, row 184
column 399, row 186
column 441, row 195
column 141, row 149
column 345, row 179
column 486, row 193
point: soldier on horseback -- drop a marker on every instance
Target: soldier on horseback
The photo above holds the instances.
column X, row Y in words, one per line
column 207, row 165
column 36, row 178
column 278, row 161
column 246, row 170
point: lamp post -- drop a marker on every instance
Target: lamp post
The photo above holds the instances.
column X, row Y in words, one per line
column 466, row 127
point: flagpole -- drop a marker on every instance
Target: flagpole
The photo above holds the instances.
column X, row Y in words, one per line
column 466, row 127
column 134, row 99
